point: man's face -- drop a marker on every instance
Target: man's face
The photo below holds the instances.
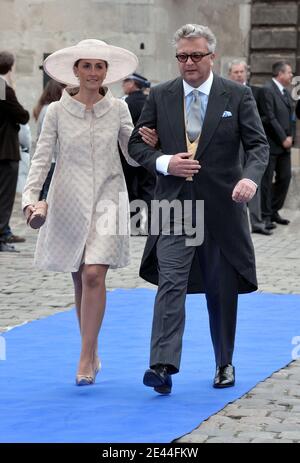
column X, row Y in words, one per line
column 195, row 73
column 238, row 73
column 285, row 77
column 128, row 86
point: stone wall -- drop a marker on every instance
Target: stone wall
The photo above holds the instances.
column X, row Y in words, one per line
column 31, row 28
column 274, row 36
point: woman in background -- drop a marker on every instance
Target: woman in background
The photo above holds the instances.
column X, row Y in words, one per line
column 52, row 92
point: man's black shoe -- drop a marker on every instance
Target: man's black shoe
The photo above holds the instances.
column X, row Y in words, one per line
column 270, row 225
column 4, row 247
column 225, row 376
column 262, row 231
column 158, row 378
column 278, row 219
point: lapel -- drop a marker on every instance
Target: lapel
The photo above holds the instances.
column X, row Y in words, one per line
column 278, row 92
column 217, row 102
column 173, row 101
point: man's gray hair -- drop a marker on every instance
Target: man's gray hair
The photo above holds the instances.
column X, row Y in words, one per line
column 195, row 30
column 235, row 62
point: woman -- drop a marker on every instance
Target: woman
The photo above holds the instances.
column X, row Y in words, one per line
column 88, row 123
column 52, row 92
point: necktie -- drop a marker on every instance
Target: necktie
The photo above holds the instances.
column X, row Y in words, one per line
column 194, row 117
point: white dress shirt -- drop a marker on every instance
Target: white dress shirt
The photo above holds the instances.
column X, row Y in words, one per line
column 279, row 85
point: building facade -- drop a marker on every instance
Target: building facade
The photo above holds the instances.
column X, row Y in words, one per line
column 259, row 31
column 33, row 28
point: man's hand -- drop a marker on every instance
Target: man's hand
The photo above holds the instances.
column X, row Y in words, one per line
column 287, row 143
column 181, row 166
column 243, row 191
column 149, row 136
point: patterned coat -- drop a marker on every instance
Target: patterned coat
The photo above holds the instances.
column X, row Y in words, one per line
column 88, row 210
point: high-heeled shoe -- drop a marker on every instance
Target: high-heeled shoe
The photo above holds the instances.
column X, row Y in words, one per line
column 85, row 380
column 98, row 368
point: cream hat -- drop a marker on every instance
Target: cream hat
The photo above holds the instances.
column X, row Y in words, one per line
column 121, row 62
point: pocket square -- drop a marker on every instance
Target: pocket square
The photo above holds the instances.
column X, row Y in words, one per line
column 227, row 114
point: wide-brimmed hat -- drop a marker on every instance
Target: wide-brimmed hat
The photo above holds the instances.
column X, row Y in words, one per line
column 121, row 62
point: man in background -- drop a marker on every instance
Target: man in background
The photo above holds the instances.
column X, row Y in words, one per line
column 276, row 110
column 11, row 115
column 140, row 183
column 238, row 71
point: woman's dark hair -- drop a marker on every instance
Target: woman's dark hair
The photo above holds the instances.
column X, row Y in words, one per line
column 6, row 62
column 52, row 92
column 77, row 62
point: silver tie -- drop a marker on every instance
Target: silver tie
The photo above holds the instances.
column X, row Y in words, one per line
column 194, row 117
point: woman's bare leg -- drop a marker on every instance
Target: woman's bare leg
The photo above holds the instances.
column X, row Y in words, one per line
column 77, row 280
column 92, row 307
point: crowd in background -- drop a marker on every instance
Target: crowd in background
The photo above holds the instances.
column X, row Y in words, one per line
column 276, row 108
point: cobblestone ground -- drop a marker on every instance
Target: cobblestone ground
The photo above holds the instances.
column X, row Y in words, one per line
column 270, row 412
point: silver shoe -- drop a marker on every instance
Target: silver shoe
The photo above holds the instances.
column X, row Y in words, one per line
column 98, row 368
column 86, row 380
column 83, row 380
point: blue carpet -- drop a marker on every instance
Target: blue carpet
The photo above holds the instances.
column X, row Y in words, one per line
column 40, row 403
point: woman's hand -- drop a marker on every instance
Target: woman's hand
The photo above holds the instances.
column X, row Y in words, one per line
column 149, row 136
column 28, row 211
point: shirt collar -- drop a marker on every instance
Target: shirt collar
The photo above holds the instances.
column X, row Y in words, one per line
column 204, row 88
column 5, row 78
column 279, row 85
column 79, row 109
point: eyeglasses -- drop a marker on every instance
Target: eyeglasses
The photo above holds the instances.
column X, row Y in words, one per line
column 195, row 57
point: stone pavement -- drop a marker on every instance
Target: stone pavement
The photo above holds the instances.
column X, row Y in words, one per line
column 270, row 412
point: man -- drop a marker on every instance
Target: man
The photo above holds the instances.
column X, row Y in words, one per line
column 133, row 87
column 140, row 183
column 11, row 115
column 276, row 109
column 224, row 264
column 238, row 71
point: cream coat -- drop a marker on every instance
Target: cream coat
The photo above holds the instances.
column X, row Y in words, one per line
column 88, row 182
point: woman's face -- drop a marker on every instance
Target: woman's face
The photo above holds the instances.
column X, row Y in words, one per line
column 91, row 73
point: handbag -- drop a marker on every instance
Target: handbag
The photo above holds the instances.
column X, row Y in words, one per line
column 39, row 215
